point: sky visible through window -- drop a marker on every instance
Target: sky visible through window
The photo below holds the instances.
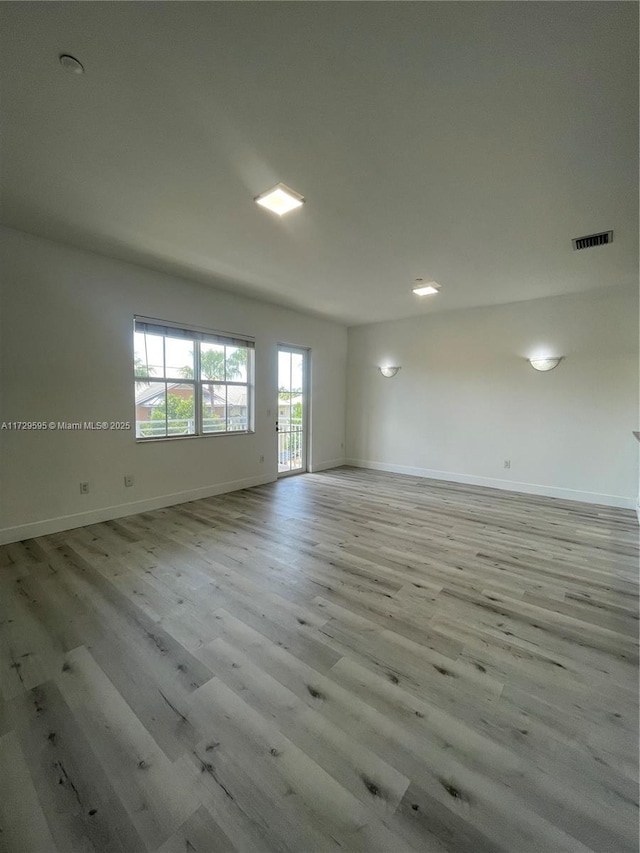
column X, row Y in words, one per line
column 290, row 370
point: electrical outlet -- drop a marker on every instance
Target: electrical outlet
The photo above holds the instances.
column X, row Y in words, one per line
column 507, row 463
column 128, row 480
column 84, row 488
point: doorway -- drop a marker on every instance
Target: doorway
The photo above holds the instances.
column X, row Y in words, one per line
column 291, row 425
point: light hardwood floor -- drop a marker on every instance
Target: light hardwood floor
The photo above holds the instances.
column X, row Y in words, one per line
column 344, row 661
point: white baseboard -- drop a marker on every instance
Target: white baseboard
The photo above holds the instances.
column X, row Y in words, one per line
column 93, row 516
column 322, row 466
column 508, row 485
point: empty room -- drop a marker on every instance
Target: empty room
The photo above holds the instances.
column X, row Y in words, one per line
column 319, row 427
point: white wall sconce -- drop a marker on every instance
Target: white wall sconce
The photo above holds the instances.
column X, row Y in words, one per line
column 388, row 372
column 545, row 364
column 71, row 64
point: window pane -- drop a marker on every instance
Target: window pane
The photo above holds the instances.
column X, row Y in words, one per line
column 181, row 411
column 284, row 371
column 237, row 408
column 236, row 363
column 284, row 411
column 214, row 407
column 151, row 410
column 212, row 361
column 296, row 412
column 284, row 452
column 297, row 361
column 179, row 358
column 148, row 355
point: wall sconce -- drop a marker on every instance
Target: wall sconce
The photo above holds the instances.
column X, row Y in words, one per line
column 388, row 372
column 545, row 364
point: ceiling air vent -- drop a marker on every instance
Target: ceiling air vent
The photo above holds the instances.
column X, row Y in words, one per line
column 601, row 239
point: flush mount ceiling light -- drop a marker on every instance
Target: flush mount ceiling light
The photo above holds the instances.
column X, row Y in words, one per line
column 280, row 199
column 388, row 372
column 425, row 288
column 71, row 64
column 545, row 364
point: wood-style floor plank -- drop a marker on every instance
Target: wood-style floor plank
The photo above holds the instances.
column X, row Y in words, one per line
column 82, row 807
column 23, row 825
column 344, row 661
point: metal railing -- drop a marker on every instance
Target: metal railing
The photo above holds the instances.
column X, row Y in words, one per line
column 290, row 443
column 187, row 426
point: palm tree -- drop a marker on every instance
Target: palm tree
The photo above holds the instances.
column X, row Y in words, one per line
column 141, row 368
column 212, row 368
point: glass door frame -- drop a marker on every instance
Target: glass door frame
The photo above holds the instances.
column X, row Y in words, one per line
column 305, row 352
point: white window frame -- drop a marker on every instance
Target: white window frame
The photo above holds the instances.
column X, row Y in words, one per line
column 197, row 336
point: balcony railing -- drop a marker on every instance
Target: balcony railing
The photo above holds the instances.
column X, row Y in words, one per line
column 290, row 444
column 187, row 426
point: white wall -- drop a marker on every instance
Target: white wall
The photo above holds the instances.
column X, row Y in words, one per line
column 67, row 355
column 465, row 399
column 638, row 427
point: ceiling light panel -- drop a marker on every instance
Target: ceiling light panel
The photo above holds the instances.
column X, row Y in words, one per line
column 425, row 288
column 280, row 199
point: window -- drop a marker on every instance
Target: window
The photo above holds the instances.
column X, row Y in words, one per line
column 190, row 381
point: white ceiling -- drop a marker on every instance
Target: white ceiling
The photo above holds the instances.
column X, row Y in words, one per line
column 464, row 142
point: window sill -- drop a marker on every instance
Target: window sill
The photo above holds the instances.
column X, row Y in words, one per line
column 187, row 437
